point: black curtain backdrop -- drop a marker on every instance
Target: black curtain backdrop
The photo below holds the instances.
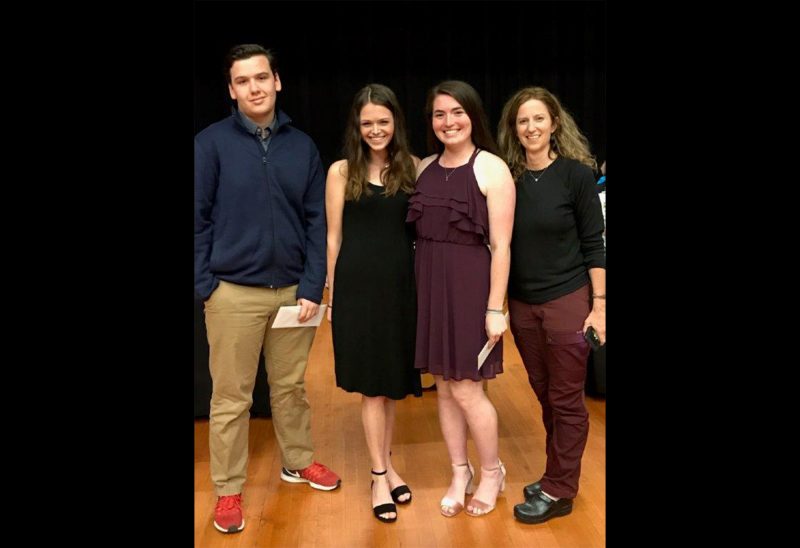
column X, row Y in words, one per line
column 328, row 50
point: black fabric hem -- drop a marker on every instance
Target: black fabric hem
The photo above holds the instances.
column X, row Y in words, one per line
column 393, row 397
column 563, row 290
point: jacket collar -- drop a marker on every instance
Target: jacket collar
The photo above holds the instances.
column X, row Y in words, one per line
column 281, row 119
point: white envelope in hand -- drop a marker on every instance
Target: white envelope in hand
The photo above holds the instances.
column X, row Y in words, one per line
column 287, row 317
column 487, row 348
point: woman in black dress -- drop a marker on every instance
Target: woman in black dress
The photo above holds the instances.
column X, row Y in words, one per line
column 371, row 278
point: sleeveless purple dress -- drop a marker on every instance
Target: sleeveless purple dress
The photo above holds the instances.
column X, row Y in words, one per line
column 452, row 271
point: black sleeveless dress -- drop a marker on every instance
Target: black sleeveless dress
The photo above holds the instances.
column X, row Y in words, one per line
column 374, row 298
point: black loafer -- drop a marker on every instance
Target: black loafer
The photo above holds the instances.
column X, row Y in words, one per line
column 541, row 508
column 531, row 490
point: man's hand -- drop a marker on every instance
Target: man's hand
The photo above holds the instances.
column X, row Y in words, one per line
column 308, row 310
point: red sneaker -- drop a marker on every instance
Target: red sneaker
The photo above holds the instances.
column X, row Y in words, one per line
column 228, row 514
column 317, row 476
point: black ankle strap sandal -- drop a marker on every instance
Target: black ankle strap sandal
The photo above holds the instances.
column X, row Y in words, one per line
column 383, row 508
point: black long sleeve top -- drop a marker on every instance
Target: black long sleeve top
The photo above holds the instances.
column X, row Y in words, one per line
column 558, row 233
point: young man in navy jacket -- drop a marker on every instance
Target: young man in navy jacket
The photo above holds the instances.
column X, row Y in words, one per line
column 259, row 244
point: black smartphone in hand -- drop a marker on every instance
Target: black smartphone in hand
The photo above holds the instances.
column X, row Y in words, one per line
column 592, row 338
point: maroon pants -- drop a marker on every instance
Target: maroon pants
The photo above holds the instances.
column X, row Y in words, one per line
column 550, row 340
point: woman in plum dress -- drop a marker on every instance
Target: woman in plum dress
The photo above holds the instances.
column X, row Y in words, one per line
column 463, row 209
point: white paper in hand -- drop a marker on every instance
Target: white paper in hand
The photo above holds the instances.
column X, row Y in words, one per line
column 487, row 348
column 287, row 317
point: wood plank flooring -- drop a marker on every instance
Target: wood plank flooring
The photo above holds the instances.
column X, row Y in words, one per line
column 281, row 514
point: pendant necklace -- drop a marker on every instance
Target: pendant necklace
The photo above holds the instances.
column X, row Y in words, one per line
column 535, row 178
column 448, row 175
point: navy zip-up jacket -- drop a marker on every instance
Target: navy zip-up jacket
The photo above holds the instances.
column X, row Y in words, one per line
column 259, row 217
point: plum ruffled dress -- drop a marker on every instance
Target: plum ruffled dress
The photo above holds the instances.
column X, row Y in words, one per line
column 452, row 267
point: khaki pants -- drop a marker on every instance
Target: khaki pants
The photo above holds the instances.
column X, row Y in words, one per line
column 238, row 321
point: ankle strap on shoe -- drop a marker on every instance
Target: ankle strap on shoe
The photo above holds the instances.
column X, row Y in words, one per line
column 374, row 473
column 454, row 464
column 498, row 467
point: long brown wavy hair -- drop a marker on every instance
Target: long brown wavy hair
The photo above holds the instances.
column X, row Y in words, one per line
column 400, row 174
column 567, row 140
column 468, row 98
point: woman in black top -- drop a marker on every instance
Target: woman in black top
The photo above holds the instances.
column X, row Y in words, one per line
column 557, row 283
